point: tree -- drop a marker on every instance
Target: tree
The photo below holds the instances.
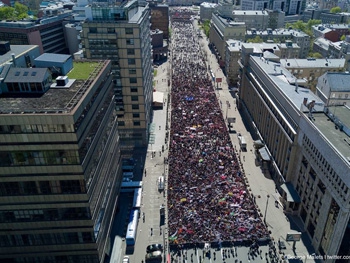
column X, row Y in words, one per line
column 7, row 12
column 21, row 11
column 343, row 37
column 206, row 27
column 335, row 10
column 256, row 39
column 315, row 55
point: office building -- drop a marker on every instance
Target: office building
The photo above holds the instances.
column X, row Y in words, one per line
column 290, row 7
column 122, row 33
column 160, row 18
column 59, row 164
column 206, row 10
column 252, row 19
column 305, row 144
column 46, row 32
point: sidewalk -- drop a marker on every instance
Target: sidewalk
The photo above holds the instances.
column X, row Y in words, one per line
column 259, row 182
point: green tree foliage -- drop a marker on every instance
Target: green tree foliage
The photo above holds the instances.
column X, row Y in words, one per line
column 315, row 55
column 335, row 10
column 256, row 39
column 206, row 27
column 18, row 12
column 343, row 37
column 7, row 12
column 305, row 27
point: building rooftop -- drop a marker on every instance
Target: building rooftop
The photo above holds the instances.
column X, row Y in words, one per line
column 285, row 82
column 278, row 32
column 322, row 42
column 50, row 57
column 338, row 81
column 23, row 75
column 209, row 5
column 313, row 63
column 229, row 22
column 339, row 139
column 55, row 100
column 250, row 12
column 18, row 50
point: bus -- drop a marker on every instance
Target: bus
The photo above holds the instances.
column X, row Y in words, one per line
column 132, row 228
column 137, row 198
column 130, row 186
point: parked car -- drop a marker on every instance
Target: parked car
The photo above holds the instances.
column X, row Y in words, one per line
column 154, row 247
column 126, row 259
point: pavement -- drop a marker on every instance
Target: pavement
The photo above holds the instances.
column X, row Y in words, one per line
column 260, row 183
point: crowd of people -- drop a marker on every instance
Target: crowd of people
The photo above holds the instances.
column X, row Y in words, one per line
column 208, row 199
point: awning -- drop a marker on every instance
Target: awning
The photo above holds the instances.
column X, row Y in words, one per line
column 158, row 99
column 292, row 195
column 264, row 155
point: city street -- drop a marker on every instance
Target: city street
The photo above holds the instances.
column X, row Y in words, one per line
column 259, row 182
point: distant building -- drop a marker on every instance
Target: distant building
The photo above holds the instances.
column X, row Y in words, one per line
column 206, row 10
column 281, row 35
column 160, row 18
column 290, row 7
column 321, row 45
column 333, row 88
column 311, row 69
column 59, row 164
column 18, row 55
column 252, row 19
column 221, row 30
column 46, row 32
column 340, row 49
column 331, row 32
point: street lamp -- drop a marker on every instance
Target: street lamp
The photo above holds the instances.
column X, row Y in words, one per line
column 267, row 202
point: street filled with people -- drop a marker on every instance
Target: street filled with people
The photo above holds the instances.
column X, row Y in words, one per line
column 208, row 199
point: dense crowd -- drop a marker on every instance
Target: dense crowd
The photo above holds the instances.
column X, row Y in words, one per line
column 207, row 196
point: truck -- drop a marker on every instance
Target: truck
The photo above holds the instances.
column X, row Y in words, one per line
column 242, row 142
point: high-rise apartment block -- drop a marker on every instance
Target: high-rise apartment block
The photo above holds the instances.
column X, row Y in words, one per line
column 121, row 33
column 59, row 164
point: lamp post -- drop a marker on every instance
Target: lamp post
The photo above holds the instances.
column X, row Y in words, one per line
column 267, row 203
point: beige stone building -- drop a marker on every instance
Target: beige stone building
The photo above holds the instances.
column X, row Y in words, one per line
column 311, row 69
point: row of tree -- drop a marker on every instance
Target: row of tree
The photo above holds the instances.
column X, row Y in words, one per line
column 17, row 12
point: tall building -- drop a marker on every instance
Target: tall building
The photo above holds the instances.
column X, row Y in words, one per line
column 290, row 7
column 121, row 33
column 59, row 165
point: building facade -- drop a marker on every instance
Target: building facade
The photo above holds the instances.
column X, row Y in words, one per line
column 122, row 33
column 59, row 169
column 305, row 142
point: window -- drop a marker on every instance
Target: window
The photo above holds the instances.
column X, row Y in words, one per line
column 121, row 123
column 131, row 61
column 130, row 51
column 136, row 115
column 93, row 30
column 137, row 123
column 132, row 71
column 110, row 30
column 129, row 31
column 135, row 106
column 134, row 98
column 130, row 41
column 133, row 89
column 133, row 80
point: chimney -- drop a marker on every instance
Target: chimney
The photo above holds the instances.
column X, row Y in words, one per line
column 14, row 59
column 305, row 101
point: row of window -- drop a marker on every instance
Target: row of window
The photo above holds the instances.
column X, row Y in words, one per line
column 24, row 158
column 46, row 239
column 48, row 214
column 36, row 128
column 42, row 187
column 135, row 123
column 56, row 259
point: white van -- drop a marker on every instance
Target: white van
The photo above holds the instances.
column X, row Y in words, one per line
column 161, row 183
